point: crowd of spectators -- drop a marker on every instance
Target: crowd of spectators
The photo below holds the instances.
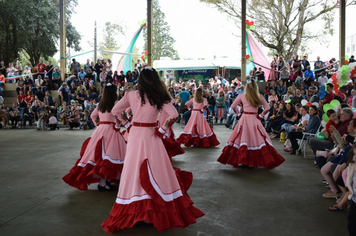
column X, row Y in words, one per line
column 77, row 94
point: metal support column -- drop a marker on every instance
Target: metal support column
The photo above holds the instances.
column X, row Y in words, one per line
column 243, row 41
column 342, row 36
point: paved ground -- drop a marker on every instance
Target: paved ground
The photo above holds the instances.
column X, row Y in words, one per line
column 35, row 201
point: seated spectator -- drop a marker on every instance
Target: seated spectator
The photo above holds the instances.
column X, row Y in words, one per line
column 52, row 122
column 63, row 93
column 63, row 113
column 87, row 123
column 330, row 96
column 297, row 98
column 309, row 76
column 76, row 107
column 311, row 127
column 46, row 85
column 297, row 77
column 81, row 96
column 115, row 79
column 92, row 89
column 37, row 84
column 29, row 98
column 102, row 78
column 317, row 144
column 28, row 84
column 284, row 76
column 81, row 75
column 122, row 78
column 48, row 99
column 273, row 121
column 27, row 116
column 34, row 108
column 273, row 96
column 42, row 118
column 292, row 88
column 289, row 117
column 333, row 121
column 20, row 85
column 260, row 74
column 281, row 89
column 80, row 86
column 2, row 80
column 298, row 117
column 21, row 97
column 74, row 120
column 352, row 99
column 323, row 79
column 87, row 99
column 72, row 90
column 56, row 78
column 71, row 78
column 14, row 114
column 3, row 116
column 346, row 143
column 87, row 78
column 40, row 94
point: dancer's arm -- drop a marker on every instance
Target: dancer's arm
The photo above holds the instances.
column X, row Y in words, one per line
column 121, row 106
column 171, row 118
column 94, row 115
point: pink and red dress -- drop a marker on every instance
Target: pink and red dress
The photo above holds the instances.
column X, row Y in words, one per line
column 149, row 188
column 249, row 143
column 198, row 132
column 102, row 155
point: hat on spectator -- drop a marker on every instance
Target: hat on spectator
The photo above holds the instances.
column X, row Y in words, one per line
column 91, row 81
column 72, row 101
column 352, row 56
column 233, row 86
column 81, row 88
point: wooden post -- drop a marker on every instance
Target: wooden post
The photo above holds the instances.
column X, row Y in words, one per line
column 342, row 34
column 149, row 33
column 243, row 41
column 63, row 61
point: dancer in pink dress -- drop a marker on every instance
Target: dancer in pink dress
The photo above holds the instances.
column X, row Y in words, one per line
column 198, row 132
column 149, row 189
column 249, row 144
column 102, row 155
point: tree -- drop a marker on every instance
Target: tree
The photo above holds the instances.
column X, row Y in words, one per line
column 162, row 41
column 109, row 43
column 282, row 25
column 32, row 26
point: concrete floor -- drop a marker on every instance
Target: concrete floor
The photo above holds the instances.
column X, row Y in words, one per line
column 35, row 201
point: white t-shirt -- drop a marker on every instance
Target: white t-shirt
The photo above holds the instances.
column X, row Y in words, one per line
column 108, row 67
column 38, row 83
column 305, row 118
column 322, row 80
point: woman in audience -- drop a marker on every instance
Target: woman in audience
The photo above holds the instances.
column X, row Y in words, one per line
column 29, row 98
column 20, row 85
column 311, row 127
column 289, row 117
column 102, row 155
column 221, row 106
column 273, row 96
column 63, row 114
column 273, row 121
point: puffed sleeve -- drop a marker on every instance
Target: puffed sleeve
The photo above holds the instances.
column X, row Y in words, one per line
column 237, row 102
column 121, row 106
column 189, row 103
column 172, row 116
column 94, row 115
column 205, row 102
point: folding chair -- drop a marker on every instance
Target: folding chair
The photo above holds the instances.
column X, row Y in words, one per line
column 303, row 141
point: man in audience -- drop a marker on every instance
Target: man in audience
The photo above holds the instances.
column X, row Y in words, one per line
column 305, row 63
column 318, row 144
column 323, row 79
column 309, row 76
column 75, row 67
column 86, row 66
column 40, row 94
column 81, row 96
column 41, row 67
column 330, row 96
column 27, row 116
column 72, row 90
column 56, row 78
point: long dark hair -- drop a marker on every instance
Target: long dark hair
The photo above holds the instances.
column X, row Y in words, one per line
column 152, row 86
column 108, row 99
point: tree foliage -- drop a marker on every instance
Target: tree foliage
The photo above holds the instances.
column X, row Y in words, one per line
column 161, row 39
column 282, row 25
column 33, row 26
column 109, row 43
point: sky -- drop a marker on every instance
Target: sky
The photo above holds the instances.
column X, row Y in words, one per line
column 200, row 31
